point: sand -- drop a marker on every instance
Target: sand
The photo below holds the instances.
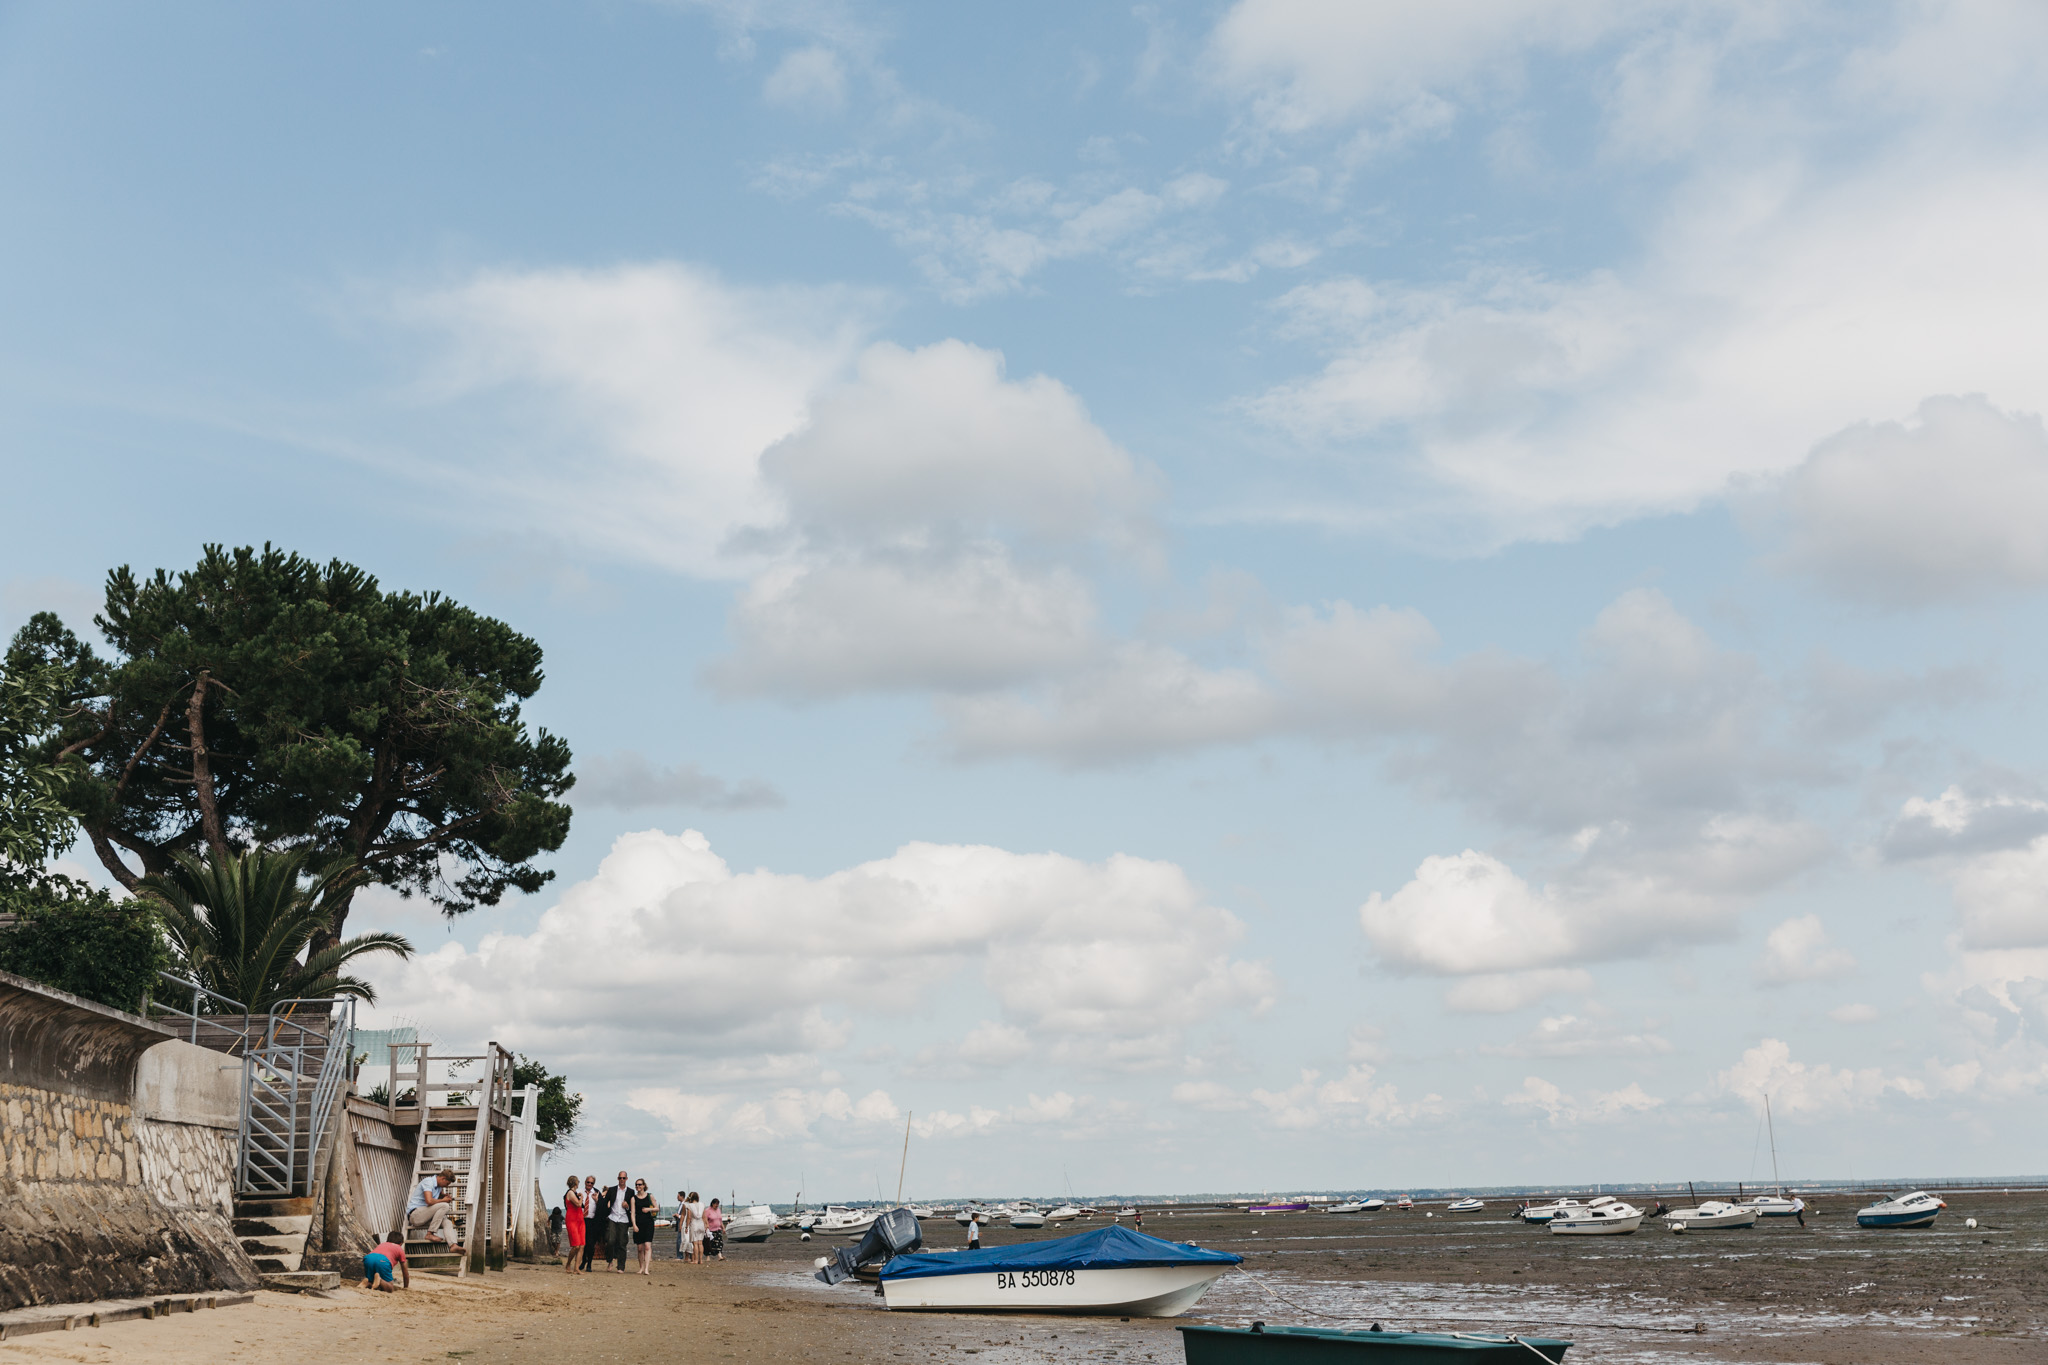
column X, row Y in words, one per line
column 1826, row 1294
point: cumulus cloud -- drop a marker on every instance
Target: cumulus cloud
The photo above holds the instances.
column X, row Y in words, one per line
column 1946, row 505
column 1797, row 1088
column 1348, row 1101
column 1992, row 846
column 712, row 1119
column 625, row 780
column 1959, row 822
column 657, row 961
column 1597, row 1106
column 1799, row 950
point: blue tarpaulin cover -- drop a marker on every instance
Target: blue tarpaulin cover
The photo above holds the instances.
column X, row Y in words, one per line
column 1107, row 1248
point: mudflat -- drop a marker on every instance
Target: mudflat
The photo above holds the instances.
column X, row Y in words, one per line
column 1828, row 1293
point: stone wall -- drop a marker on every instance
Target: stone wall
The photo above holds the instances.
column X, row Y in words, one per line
column 111, row 1189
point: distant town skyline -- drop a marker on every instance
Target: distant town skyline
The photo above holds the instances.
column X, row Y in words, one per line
column 1262, row 596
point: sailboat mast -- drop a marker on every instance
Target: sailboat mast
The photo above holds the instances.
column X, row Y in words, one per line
column 905, row 1164
column 1773, row 1128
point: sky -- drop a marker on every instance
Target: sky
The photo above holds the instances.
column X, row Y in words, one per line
column 1232, row 596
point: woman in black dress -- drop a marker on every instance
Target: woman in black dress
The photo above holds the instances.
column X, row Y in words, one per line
column 645, row 1206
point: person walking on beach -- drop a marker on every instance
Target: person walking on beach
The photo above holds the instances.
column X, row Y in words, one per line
column 714, row 1231
column 974, row 1232
column 682, row 1225
column 696, row 1228
column 572, row 1224
column 618, row 1225
column 430, row 1206
column 645, row 1206
column 593, row 1219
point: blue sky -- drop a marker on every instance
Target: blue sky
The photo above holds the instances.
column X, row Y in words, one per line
column 1245, row 595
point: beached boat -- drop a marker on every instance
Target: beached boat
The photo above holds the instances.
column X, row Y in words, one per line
column 851, row 1222
column 1065, row 1213
column 1543, row 1213
column 1111, row 1270
column 1280, row 1206
column 1263, row 1345
column 1348, row 1206
column 1025, row 1216
column 1466, row 1205
column 1775, row 1205
column 1602, row 1217
column 755, row 1224
column 1915, row 1210
column 1711, row 1213
column 1404, row 1203
column 1372, row 1205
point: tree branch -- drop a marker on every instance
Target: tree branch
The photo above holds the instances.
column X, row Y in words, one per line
column 202, row 769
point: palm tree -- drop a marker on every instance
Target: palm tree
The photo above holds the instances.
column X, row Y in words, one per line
column 239, row 925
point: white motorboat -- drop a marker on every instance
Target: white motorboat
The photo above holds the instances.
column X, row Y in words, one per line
column 1348, row 1206
column 1543, row 1213
column 1605, row 1216
column 1775, row 1205
column 1372, row 1206
column 1404, row 1203
column 1711, row 1213
column 970, row 1212
column 1915, row 1210
column 837, row 1219
column 1127, row 1212
column 755, row 1224
column 1111, row 1270
column 1025, row 1216
column 1065, row 1213
column 1466, row 1205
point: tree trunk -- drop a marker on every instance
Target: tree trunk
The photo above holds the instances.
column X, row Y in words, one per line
column 202, row 771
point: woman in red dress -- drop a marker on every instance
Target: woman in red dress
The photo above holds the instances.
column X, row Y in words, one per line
column 572, row 1223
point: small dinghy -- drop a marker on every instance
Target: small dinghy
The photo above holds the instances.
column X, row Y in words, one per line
column 1466, row 1205
column 1112, row 1270
column 1263, row 1345
column 1915, row 1210
column 1604, row 1217
column 1712, row 1213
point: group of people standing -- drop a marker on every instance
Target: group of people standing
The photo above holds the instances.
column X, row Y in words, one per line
column 625, row 1214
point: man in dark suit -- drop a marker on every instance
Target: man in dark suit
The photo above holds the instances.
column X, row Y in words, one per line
column 595, row 1211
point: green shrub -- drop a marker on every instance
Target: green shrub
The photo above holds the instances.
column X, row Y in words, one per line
column 79, row 939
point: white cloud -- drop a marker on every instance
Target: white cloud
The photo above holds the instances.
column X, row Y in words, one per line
column 1211, row 1095
column 1799, row 950
column 1960, row 822
column 786, row 1114
column 810, row 79
column 1796, row 1088
column 1946, row 505
column 1468, row 913
column 1308, row 62
column 1594, row 1107
column 1349, row 1101
column 625, row 780
column 637, row 401
column 655, row 964
column 1568, row 1035
column 1854, row 1014
column 2001, row 898
column 1505, row 992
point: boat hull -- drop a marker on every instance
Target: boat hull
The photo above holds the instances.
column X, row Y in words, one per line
column 1027, row 1220
column 1595, row 1227
column 1128, row 1291
column 1710, row 1222
column 1918, row 1219
column 1322, row 1346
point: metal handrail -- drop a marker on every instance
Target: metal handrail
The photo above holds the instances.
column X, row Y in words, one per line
column 194, row 1015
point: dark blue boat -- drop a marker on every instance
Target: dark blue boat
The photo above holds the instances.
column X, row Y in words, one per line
column 1263, row 1345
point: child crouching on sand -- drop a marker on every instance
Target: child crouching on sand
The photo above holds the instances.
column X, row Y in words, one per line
column 377, row 1266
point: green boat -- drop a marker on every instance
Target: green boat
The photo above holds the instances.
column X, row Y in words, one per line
column 1263, row 1345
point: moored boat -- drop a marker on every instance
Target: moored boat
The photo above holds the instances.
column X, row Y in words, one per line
column 1372, row 1206
column 755, row 1224
column 1603, row 1217
column 1543, row 1213
column 1775, row 1205
column 1348, row 1206
column 1065, row 1213
column 1404, row 1203
column 1263, row 1345
column 1280, row 1206
column 1915, row 1210
column 1711, row 1213
column 1025, row 1216
column 1468, row 1204
column 1111, row 1270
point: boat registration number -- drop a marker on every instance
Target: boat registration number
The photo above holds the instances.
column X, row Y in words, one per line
column 1032, row 1279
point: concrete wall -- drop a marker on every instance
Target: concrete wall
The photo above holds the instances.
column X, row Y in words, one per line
column 119, row 1156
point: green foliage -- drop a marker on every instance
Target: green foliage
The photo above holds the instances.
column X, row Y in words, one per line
column 76, row 938
column 558, row 1109
column 263, row 699
column 239, row 925
column 34, row 822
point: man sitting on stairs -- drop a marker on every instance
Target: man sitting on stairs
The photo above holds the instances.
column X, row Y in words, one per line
column 432, row 1204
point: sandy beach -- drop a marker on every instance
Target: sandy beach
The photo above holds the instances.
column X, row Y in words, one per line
column 1827, row 1294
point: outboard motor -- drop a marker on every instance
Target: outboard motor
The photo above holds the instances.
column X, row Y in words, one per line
column 895, row 1233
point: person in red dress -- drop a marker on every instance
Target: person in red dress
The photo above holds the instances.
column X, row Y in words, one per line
column 572, row 1223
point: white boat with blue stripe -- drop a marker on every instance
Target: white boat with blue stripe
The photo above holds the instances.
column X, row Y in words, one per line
column 1110, row 1270
column 1915, row 1210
